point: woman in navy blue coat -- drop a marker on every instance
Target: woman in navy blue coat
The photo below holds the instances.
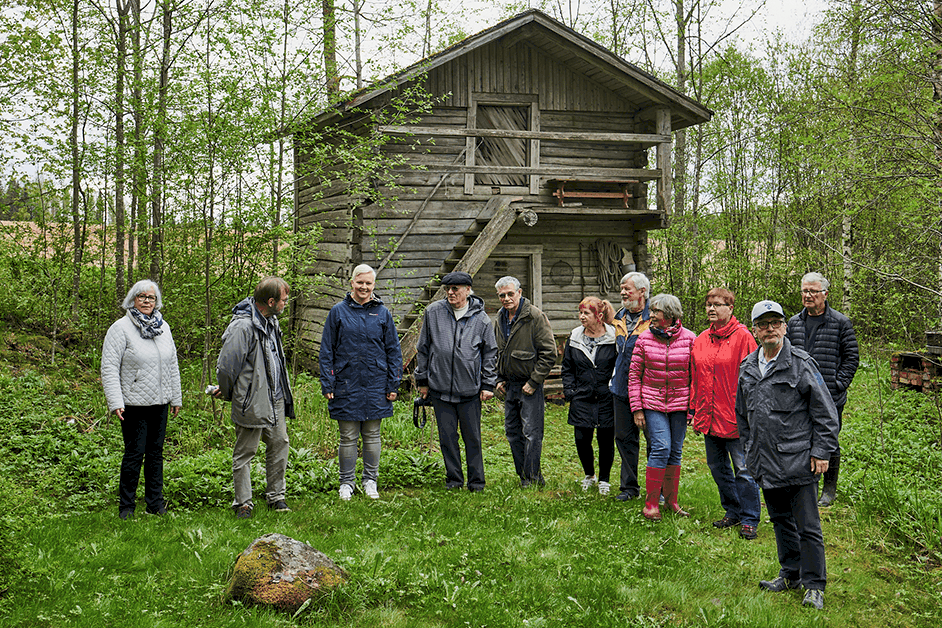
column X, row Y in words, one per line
column 361, row 367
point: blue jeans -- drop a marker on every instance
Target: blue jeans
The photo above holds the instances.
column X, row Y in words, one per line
column 666, row 433
column 793, row 511
column 144, row 429
column 523, row 425
column 739, row 493
column 350, row 433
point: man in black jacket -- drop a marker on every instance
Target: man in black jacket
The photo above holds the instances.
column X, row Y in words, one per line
column 829, row 337
column 788, row 426
column 526, row 351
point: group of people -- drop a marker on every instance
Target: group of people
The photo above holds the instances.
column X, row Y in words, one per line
column 770, row 412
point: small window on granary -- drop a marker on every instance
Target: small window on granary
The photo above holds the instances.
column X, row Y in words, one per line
column 499, row 151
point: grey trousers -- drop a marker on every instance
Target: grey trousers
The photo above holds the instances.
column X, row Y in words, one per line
column 276, row 458
column 350, row 431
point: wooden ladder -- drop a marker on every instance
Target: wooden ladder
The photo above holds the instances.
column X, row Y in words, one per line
column 477, row 245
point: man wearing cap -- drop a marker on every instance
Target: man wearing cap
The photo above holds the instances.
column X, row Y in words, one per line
column 788, row 426
column 526, row 353
column 455, row 369
column 829, row 337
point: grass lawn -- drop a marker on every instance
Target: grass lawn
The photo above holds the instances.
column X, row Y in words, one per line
column 504, row 557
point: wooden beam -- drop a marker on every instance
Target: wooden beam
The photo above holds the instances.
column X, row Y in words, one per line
column 664, row 182
column 471, row 262
column 552, row 172
column 573, row 136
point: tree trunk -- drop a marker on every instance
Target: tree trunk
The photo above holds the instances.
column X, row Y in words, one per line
column 119, row 141
column 76, row 167
column 159, row 132
column 332, row 81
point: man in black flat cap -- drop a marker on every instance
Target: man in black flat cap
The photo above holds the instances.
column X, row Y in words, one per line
column 455, row 369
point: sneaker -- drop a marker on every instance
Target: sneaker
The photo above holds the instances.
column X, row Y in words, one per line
column 815, row 598
column 279, row 506
column 243, row 512
column 346, row 492
column 725, row 522
column 626, row 496
column 604, row 488
column 779, row 584
column 748, row 532
column 588, row 482
column 369, row 487
column 126, row 513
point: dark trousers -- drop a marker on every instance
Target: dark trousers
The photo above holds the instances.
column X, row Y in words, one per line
column 143, row 429
column 523, row 425
column 466, row 416
column 627, row 440
column 793, row 511
column 606, row 437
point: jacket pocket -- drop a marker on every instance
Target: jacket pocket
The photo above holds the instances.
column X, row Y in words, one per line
column 793, row 446
column 523, row 355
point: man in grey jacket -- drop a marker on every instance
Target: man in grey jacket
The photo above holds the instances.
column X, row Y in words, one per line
column 788, row 426
column 252, row 374
column 455, row 359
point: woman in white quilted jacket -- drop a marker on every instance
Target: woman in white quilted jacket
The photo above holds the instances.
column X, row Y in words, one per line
column 142, row 385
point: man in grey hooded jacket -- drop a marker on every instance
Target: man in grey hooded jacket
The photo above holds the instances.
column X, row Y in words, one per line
column 455, row 369
column 252, row 374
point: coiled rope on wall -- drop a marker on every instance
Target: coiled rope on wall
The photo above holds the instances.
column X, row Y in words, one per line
column 610, row 265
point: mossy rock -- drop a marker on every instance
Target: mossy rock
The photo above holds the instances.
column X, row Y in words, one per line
column 278, row 571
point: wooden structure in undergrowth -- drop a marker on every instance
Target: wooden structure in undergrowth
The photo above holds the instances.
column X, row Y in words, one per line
column 532, row 161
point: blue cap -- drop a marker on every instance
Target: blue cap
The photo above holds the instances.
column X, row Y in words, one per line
column 764, row 307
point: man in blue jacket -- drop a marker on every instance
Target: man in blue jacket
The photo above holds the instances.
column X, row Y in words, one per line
column 455, row 369
column 630, row 321
column 829, row 337
column 788, row 427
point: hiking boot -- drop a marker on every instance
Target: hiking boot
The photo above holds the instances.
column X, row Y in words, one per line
column 815, row 598
column 725, row 522
column 279, row 506
column 369, row 487
column 243, row 512
column 779, row 584
column 748, row 532
column 346, row 492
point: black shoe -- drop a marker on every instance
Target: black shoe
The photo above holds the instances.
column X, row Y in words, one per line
column 160, row 510
column 126, row 513
column 279, row 506
column 725, row 522
column 625, row 496
column 779, row 584
column 243, row 512
column 748, row 532
column 815, row 598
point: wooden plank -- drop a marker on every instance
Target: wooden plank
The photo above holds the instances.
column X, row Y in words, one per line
column 574, row 136
column 549, row 171
column 664, row 181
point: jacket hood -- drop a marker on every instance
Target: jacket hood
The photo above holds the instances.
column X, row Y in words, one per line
column 246, row 309
column 577, row 336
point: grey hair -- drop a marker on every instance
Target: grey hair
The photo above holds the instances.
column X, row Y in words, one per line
column 361, row 270
column 640, row 282
column 667, row 303
column 142, row 286
column 816, row 278
column 507, row 281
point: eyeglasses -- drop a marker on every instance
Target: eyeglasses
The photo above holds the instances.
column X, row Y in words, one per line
column 809, row 292
column 774, row 324
column 453, row 288
column 716, row 305
column 146, row 298
column 506, row 295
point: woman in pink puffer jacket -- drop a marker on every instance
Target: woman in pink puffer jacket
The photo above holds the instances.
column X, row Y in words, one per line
column 659, row 383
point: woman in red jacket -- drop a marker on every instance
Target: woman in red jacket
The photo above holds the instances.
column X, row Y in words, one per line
column 717, row 353
column 659, row 384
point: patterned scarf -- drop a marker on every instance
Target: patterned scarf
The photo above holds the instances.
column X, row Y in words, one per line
column 668, row 333
column 149, row 325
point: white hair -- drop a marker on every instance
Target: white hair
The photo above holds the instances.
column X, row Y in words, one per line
column 816, row 278
column 507, row 281
column 639, row 281
column 362, row 269
column 142, row 286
